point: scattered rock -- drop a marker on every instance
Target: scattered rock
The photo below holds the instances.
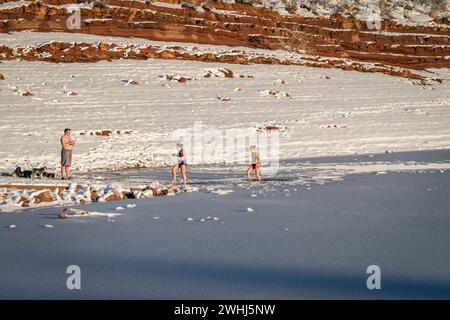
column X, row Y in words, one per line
column 219, row 73
column 25, row 202
column 26, row 94
column 2, row 77
column 75, row 211
column 250, row 210
column 223, row 98
column 105, row 133
column 13, row 226
column 128, row 195
column 130, row 82
column 114, row 196
column 62, row 216
column 94, row 195
column 44, row 196
column 271, row 128
column 227, row 72
column 183, row 79
column 275, row 94
column 339, row 126
column 72, row 93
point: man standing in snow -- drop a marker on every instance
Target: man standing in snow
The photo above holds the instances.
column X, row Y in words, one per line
column 66, row 153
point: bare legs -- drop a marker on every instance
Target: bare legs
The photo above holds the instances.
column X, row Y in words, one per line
column 249, row 171
column 257, row 172
column 65, row 170
column 174, row 173
column 183, row 173
column 258, row 175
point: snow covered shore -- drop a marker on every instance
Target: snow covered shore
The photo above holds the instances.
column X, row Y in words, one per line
column 327, row 111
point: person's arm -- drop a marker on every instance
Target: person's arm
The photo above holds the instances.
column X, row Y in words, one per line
column 258, row 160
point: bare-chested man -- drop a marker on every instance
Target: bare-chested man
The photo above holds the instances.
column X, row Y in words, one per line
column 66, row 154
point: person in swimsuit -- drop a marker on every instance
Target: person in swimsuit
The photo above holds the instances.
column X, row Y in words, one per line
column 255, row 164
column 66, row 154
column 181, row 164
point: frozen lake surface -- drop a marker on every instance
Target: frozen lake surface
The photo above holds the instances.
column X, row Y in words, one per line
column 300, row 241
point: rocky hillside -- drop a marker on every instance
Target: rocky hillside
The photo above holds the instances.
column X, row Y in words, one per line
column 415, row 37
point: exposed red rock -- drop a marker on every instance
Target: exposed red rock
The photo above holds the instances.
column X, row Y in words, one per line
column 114, row 196
column 227, row 73
column 104, row 133
column 183, row 79
column 394, row 45
column 62, row 216
column 25, row 202
column 45, row 196
column 271, row 128
column 94, row 195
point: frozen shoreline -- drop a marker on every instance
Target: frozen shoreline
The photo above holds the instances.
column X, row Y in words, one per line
column 19, row 194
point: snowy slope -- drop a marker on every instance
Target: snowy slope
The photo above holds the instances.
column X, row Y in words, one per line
column 325, row 111
column 408, row 12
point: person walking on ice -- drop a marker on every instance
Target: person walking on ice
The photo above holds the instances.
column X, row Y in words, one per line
column 255, row 163
column 66, row 154
column 181, row 164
